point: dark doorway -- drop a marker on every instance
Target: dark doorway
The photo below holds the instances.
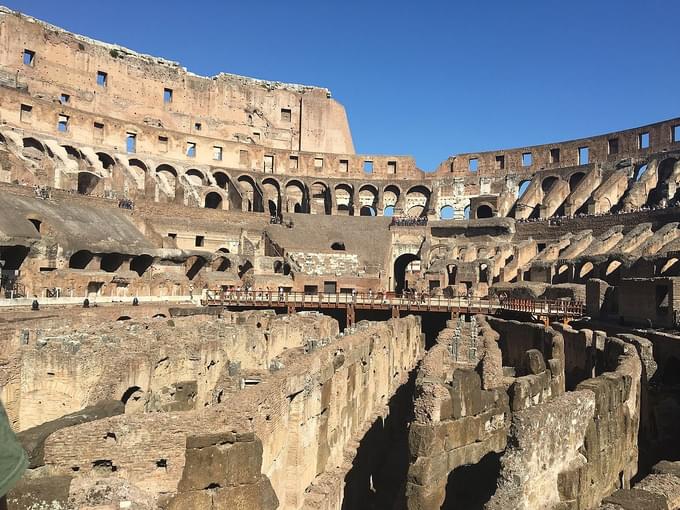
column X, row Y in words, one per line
column 400, row 270
column 471, row 486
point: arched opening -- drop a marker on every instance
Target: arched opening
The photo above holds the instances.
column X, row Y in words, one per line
column 668, row 265
column 391, row 195
column 368, row 200
column 32, row 143
column 575, row 180
column 194, row 265
column 167, row 180
column 141, row 263
column 271, row 195
column 124, row 318
column 321, row 198
column 213, row 200
column 338, row 246
column 483, row 273
column 72, row 152
column 586, row 270
column 111, row 262
column 36, row 224
column 80, row 259
column 221, row 264
column 195, row 177
column 106, row 160
column 613, row 266
column 221, row 179
column 344, row 198
column 446, row 213
column 296, row 197
column 522, row 188
column 451, row 271
column 641, row 170
column 417, row 201
column 466, row 212
column 548, row 183
column 415, row 211
column 13, row 257
column 87, row 182
column 484, row 211
column 367, row 210
column 251, row 193
column 244, row 268
column 400, row 266
column 388, row 211
column 127, row 395
column 562, row 274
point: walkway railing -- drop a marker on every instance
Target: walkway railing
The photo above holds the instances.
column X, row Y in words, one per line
column 385, row 301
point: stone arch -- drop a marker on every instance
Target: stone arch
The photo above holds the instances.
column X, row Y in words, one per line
column 193, row 266
column 80, row 259
column 368, row 200
column 401, row 265
column 586, row 270
column 111, row 262
column 72, row 152
column 574, row 180
column 271, row 196
column 668, row 265
column 87, row 182
column 548, row 182
column 321, row 202
column 196, row 177
column 297, row 197
column 251, row 193
column 522, row 188
column 213, row 200
column 640, row 170
column 106, row 160
column 484, row 211
column 447, row 212
column 391, row 194
column 344, row 198
column 221, row 179
column 141, row 263
column 166, row 178
column 562, row 274
column 221, row 264
column 33, row 143
column 417, row 200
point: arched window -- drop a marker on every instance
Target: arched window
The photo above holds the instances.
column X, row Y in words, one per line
column 447, row 212
column 213, row 200
column 388, row 211
column 466, row 212
column 338, row 246
column 484, row 211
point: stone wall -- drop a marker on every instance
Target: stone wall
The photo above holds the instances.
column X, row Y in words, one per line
column 306, row 415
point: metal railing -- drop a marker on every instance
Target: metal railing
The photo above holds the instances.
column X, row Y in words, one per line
column 390, row 299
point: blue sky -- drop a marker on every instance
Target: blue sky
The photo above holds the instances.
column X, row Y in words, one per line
column 429, row 79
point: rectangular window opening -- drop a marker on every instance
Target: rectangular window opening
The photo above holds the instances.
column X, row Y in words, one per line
column 197, row 126
column 318, row 163
column 243, row 157
column 643, row 141
column 368, row 167
column 25, row 113
column 554, row 155
column 500, row 162
column 64, row 98
column 256, row 137
column 583, row 155
column 98, row 130
column 527, row 159
column 217, row 153
column 29, row 57
column 344, row 165
column 167, row 95
column 293, row 163
column 163, row 143
column 391, row 167
column 285, row 114
column 473, row 164
column 269, row 164
column 172, row 235
column 191, row 149
column 613, row 146
column 131, row 142
column 102, row 78
column 675, row 134
column 200, row 240
column 62, row 123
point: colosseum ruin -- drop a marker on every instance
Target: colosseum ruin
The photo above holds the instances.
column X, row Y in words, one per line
column 210, row 301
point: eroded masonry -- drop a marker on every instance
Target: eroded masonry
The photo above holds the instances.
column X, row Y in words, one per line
column 210, row 301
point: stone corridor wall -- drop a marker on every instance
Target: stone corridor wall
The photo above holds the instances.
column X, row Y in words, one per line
column 307, row 416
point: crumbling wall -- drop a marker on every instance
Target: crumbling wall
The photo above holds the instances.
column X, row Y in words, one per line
column 305, row 414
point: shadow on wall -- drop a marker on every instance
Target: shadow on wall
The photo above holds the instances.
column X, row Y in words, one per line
column 377, row 479
column 471, row 486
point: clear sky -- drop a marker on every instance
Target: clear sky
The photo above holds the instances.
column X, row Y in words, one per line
column 428, row 79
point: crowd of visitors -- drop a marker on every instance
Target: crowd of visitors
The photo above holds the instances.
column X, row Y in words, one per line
column 126, row 203
column 420, row 221
column 42, row 192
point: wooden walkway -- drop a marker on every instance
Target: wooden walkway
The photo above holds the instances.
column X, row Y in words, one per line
column 548, row 310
